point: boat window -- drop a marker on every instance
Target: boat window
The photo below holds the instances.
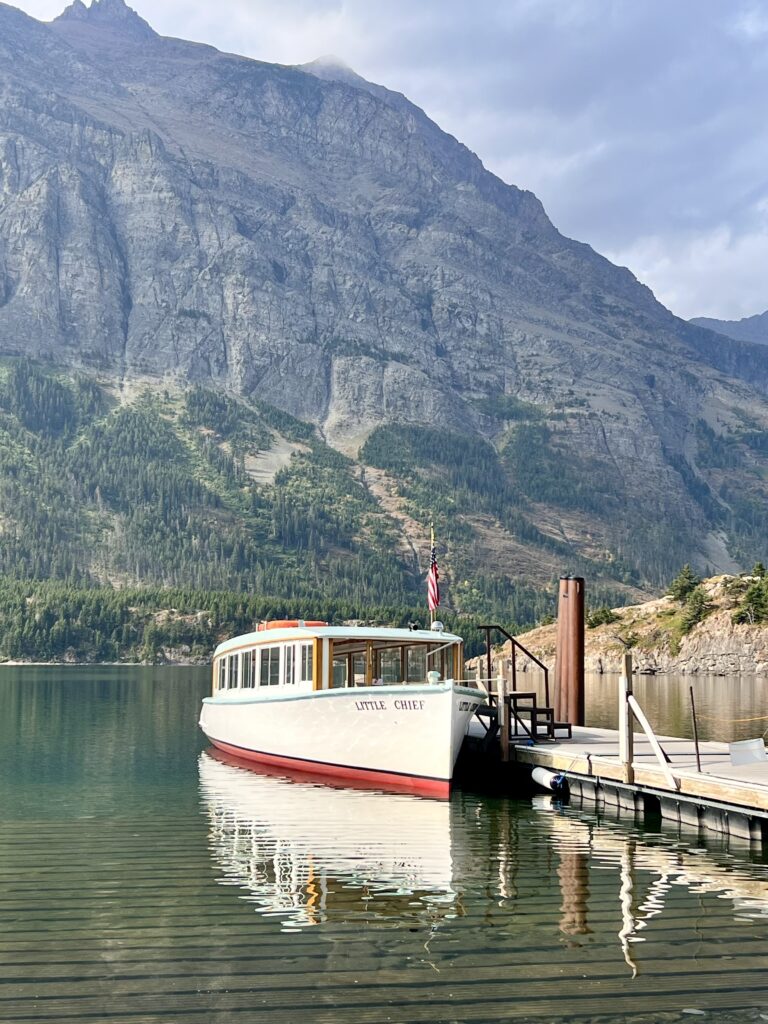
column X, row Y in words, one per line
column 441, row 659
column 270, row 666
column 289, row 677
column 358, row 669
column 416, row 665
column 247, row 669
column 434, row 662
column 339, row 677
column 390, row 665
column 306, row 663
column 222, row 673
column 234, row 664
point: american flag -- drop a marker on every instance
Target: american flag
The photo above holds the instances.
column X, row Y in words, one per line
column 433, row 577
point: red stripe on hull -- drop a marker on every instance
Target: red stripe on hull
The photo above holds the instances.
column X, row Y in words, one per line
column 415, row 784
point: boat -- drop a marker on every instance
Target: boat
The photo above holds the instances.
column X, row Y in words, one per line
column 365, row 704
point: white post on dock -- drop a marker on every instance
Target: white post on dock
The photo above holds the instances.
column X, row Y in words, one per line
column 626, row 734
column 503, row 713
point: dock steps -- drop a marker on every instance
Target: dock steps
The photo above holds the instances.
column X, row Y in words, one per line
column 526, row 718
column 524, row 708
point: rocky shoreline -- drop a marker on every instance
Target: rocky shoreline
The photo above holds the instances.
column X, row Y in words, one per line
column 715, row 646
column 169, row 657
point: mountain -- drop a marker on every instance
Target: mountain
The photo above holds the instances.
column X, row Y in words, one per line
column 302, row 241
column 749, row 328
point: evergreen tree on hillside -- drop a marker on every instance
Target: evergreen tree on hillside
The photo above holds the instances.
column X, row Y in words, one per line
column 684, row 583
column 753, row 608
column 697, row 606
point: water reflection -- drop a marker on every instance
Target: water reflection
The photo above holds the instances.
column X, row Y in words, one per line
column 141, row 882
column 90, row 740
column 647, row 870
column 573, row 873
column 307, row 853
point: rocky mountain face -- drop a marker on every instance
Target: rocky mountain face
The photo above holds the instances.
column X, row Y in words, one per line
column 300, row 236
column 749, row 328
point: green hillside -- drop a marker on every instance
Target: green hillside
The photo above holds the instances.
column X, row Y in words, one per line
column 155, row 490
column 186, row 493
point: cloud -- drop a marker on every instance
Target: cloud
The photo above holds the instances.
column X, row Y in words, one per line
column 751, row 23
column 688, row 273
column 640, row 126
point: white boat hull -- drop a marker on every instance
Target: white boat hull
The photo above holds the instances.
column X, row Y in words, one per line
column 405, row 737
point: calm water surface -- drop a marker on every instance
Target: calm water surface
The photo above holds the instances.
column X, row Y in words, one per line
column 143, row 880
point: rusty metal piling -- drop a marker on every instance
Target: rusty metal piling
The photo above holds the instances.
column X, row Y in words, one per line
column 569, row 658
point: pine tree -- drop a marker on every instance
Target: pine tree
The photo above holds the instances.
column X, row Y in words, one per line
column 684, row 583
column 697, row 606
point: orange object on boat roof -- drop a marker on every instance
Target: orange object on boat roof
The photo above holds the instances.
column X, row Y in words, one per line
column 290, row 623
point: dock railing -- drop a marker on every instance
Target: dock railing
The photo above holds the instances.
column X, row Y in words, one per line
column 516, row 646
column 630, row 711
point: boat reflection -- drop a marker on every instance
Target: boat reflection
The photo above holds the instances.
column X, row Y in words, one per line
column 307, row 852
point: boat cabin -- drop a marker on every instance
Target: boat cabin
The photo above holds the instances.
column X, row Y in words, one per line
column 314, row 656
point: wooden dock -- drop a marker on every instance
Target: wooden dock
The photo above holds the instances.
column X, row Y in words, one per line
column 723, row 797
column 684, row 781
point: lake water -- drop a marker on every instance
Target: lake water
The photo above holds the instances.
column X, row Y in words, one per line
column 727, row 707
column 143, row 880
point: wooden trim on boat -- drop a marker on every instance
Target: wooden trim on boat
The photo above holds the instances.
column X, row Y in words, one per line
column 317, row 664
column 369, row 662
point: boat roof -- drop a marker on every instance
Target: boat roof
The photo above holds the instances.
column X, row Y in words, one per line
column 376, row 633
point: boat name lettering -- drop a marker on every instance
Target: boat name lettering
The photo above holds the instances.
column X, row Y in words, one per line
column 409, row 705
column 370, row 705
column 468, row 705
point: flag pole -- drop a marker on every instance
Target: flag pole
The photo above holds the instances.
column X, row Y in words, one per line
column 433, row 591
column 431, row 551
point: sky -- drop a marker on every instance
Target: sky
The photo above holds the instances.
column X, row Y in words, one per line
column 640, row 124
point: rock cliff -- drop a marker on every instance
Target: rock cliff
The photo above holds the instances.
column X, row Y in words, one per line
column 305, row 237
column 715, row 646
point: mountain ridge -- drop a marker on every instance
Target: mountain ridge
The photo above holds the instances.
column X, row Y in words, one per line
column 753, row 329
column 174, row 213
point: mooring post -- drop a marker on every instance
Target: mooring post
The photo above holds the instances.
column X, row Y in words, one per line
column 489, row 663
column 626, row 733
column 503, row 712
column 576, row 648
column 569, row 659
column 695, row 730
column 560, row 701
